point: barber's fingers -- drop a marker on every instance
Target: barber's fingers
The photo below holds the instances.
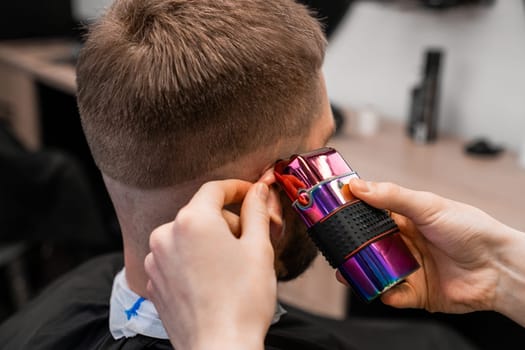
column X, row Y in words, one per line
column 255, row 218
column 274, row 203
column 149, row 265
column 401, row 296
column 213, row 198
column 233, row 221
column 153, row 273
column 268, row 177
column 417, row 205
column 161, row 244
column 341, row 279
column 217, row 194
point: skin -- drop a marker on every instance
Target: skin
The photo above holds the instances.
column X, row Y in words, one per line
column 141, row 211
column 470, row 261
column 195, row 259
column 200, row 251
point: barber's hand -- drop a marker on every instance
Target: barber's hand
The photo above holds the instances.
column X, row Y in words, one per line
column 211, row 289
column 456, row 244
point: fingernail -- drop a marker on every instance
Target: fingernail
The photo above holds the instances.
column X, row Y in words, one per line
column 262, row 190
column 360, row 185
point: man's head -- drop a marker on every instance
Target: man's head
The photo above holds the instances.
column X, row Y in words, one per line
column 172, row 90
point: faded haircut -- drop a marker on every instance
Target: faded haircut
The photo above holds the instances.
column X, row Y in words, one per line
column 170, row 89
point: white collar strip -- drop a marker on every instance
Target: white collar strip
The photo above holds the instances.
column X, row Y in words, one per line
column 130, row 314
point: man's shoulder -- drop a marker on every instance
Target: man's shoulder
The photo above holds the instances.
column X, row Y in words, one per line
column 88, row 284
column 298, row 329
column 73, row 310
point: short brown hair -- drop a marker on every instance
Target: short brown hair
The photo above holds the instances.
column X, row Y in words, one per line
column 170, row 89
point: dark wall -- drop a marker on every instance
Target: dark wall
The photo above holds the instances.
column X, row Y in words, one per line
column 330, row 12
column 35, row 18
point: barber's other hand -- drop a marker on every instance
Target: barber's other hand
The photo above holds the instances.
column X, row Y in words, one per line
column 211, row 289
column 458, row 246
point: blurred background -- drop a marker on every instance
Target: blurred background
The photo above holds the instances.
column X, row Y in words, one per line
column 375, row 57
column 426, row 93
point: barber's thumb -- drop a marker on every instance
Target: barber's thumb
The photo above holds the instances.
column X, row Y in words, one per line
column 370, row 192
column 386, row 195
column 255, row 218
column 380, row 195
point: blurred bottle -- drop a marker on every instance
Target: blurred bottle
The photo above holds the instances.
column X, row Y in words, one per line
column 424, row 111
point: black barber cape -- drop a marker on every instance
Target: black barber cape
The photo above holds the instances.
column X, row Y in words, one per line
column 73, row 313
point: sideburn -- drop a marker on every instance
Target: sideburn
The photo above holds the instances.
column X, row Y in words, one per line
column 297, row 254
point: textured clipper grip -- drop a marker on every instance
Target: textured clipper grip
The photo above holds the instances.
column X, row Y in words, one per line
column 349, row 228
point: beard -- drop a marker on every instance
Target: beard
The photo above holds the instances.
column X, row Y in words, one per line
column 294, row 251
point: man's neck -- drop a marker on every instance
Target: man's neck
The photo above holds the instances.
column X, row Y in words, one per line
column 135, row 274
column 140, row 211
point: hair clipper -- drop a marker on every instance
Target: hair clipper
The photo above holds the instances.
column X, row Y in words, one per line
column 361, row 241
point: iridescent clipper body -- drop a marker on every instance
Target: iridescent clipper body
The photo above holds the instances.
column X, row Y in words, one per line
column 362, row 242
